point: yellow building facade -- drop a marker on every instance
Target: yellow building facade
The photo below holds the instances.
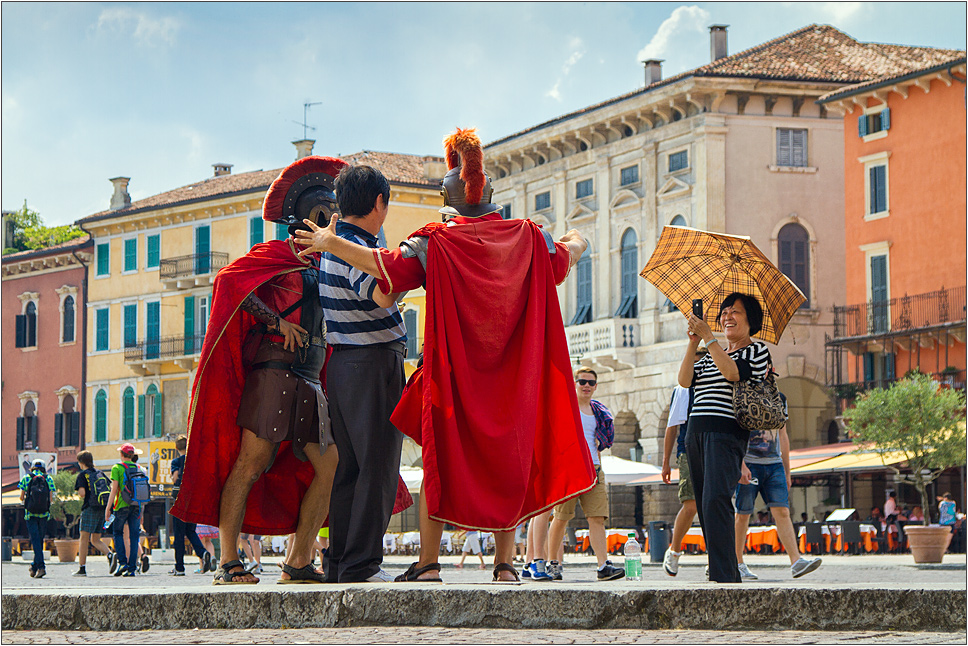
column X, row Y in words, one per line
column 150, row 288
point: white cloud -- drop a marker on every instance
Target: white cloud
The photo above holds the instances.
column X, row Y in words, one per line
column 841, row 12
column 682, row 22
column 577, row 47
column 146, row 30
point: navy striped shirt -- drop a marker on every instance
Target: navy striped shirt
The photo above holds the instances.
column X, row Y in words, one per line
column 713, row 393
column 352, row 318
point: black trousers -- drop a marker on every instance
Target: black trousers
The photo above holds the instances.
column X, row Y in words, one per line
column 181, row 529
column 715, row 459
column 364, row 386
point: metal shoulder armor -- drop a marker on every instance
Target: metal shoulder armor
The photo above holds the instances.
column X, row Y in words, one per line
column 416, row 247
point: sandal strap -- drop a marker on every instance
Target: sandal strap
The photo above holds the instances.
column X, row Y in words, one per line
column 413, row 571
column 505, row 567
column 231, row 564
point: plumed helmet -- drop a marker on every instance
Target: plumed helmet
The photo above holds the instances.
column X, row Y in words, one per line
column 304, row 190
column 466, row 187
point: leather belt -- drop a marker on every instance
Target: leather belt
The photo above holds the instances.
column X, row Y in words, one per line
column 400, row 347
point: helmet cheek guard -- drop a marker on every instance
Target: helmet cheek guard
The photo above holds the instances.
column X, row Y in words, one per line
column 304, row 191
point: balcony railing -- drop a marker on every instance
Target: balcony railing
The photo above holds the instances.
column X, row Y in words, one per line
column 164, row 348
column 195, row 264
column 602, row 337
column 848, row 392
column 903, row 314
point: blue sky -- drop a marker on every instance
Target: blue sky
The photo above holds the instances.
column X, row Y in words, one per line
column 158, row 92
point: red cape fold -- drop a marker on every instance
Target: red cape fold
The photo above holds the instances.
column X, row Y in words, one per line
column 214, row 438
column 494, row 405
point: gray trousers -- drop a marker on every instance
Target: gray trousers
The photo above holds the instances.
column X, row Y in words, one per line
column 364, row 386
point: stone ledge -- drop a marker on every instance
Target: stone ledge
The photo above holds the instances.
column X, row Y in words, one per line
column 493, row 607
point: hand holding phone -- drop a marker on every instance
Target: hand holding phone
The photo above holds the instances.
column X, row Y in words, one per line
column 697, row 307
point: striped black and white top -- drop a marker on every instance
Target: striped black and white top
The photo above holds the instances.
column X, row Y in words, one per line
column 352, row 318
column 713, row 393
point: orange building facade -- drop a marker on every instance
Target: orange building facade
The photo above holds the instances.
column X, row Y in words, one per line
column 905, row 230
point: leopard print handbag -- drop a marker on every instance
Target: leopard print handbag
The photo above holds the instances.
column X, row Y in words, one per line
column 757, row 404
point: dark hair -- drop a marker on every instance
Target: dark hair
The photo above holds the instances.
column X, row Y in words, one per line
column 181, row 443
column 357, row 188
column 754, row 313
column 85, row 459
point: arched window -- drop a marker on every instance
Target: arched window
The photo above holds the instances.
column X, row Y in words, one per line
column 583, row 296
column 793, row 245
column 27, row 327
column 101, row 416
column 677, row 221
column 68, row 326
column 27, row 428
column 628, row 306
column 152, row 413
column 127, row 414
column 66, row 424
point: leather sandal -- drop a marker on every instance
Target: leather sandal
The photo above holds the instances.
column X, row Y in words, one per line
column 506, row 567
column 305, row 574
column 224, row 577
column 413, row 572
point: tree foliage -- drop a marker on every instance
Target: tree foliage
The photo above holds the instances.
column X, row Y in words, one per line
column 30, row 232
column 66, row 501
column 918, row 418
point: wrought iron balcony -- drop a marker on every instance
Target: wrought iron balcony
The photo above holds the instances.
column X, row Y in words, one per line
column 848, row 392
column 148, row 355
column 942, row 309
column 192, row 270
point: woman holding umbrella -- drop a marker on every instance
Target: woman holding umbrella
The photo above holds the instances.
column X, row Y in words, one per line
column 715, row 442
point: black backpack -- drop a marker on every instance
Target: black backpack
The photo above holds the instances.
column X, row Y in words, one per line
column 100, row 488
column 37, row 500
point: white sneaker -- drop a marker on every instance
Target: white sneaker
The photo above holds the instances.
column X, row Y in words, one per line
column 744, row 572
column 670, row 562
column 707, row 572
column 804, row 566
column 380, row 577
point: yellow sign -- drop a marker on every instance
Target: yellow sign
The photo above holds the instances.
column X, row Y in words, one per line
column 160, row 455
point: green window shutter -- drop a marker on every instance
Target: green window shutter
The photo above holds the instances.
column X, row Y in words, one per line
column 154, row 251
column 100, row 416
column 75, row 427
column 104, row 259
column 127, row 414
column 131, row 254
column 282, row 231
column 152, row 329
column 130, row 326
column 101, row 332
column 256, row 231
column 862, row 125
column 157, row 425
column 141, row 416
column 203, row 248
column 189, row 325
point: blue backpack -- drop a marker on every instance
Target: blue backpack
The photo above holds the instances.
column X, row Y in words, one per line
column 135, row 489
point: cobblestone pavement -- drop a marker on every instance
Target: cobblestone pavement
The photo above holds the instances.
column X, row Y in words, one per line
column 424, row 635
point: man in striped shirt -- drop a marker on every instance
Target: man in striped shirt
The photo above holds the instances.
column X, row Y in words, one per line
column 364, row 380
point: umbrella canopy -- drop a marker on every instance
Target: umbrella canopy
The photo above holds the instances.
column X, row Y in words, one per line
column 690, row 263
column 620, row 471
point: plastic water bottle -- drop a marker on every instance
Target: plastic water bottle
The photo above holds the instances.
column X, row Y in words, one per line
column 633, row 559
column 109, row 522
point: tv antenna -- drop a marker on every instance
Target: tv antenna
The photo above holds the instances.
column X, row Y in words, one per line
column 304, row 123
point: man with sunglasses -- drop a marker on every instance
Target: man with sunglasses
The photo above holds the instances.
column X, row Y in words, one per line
column 596, row 422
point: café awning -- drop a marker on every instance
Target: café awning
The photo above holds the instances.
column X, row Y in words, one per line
column 867, row 461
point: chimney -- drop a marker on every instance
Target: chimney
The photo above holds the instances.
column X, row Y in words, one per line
column 304, row 147
column 653, row 71
column 222, row 169
column 120, row 199
column 717, row 42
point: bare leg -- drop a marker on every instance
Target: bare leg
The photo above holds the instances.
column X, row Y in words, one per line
column 529, row 543
column 742, row 524
column 683, row 522
column 596, row 536
column 314, row 507
column 503, row 551
column 556, row 532
column 784, row 530
column 430, row 533
column 254, row 455
column 98, row 544
column 540, row 530
column 82, row 548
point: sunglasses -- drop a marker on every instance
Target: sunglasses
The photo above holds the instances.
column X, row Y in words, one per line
column 587, row 382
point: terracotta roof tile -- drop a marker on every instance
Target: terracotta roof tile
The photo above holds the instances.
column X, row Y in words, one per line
column 815, row 53
column 399, row 168
column 957, row 58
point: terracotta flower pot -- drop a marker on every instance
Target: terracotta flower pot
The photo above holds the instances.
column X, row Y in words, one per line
column 66, row 549
column 928, row 544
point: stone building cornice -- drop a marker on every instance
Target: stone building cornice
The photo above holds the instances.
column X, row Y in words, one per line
column 845, row 100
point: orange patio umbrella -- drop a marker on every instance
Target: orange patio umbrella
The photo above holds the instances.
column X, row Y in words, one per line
column 690, row 263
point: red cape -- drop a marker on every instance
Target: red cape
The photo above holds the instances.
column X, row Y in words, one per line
column 214, row 438
column 494, row 406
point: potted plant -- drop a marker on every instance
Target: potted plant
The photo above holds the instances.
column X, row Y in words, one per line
column 66, row 508
column 926, row 424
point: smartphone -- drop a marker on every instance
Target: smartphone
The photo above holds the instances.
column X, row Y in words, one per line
column 754, row 481
column 697, row 307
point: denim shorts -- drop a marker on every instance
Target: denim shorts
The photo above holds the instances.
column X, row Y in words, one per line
column 772, row 487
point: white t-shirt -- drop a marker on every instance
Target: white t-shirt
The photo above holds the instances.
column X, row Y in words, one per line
column 679, row 410
column 588, row 426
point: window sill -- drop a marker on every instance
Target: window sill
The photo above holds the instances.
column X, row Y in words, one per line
column 631, row 185
column 29, row 348
column 129, row 272
column 66, row 343
column 681, row 171
column 585, row 198
column 874, row 136
column 792, row 169
column 877, row 216
column 157, row 267
column 100, row 276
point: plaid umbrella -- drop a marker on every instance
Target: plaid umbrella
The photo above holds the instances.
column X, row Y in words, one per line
column 690, row 263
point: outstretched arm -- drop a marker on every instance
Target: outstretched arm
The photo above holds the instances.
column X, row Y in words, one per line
column 576, row 245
